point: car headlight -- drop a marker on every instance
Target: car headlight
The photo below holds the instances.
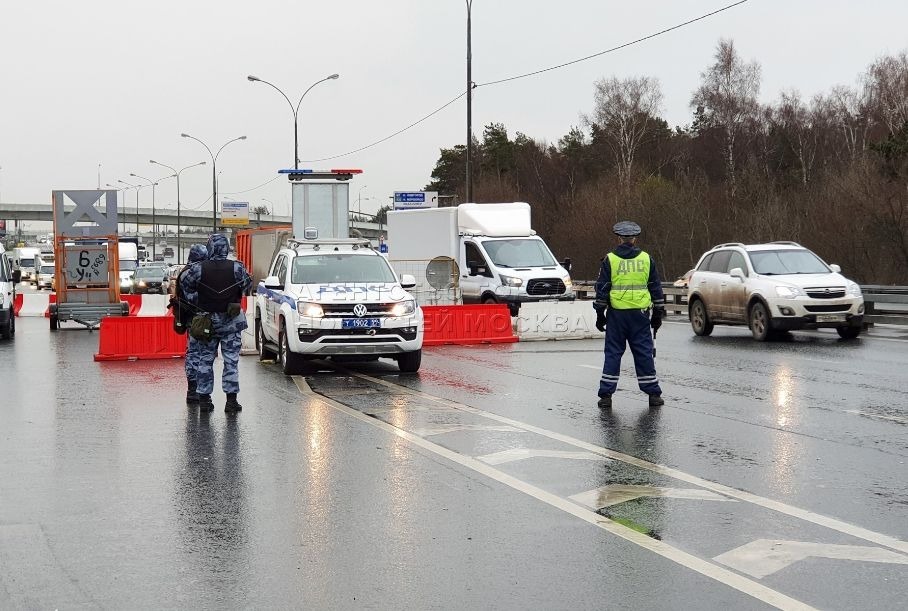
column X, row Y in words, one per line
column 567, row 282
column 141, row 283
column 403, row 308
column 854, row 289
column 788, row 292
column 510, row 280
column 312, row 310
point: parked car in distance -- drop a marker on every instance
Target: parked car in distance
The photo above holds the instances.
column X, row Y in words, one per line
column 150, row 279
column 772, row 288
column 168, row 251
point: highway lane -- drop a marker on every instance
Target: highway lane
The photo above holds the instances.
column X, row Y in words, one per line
column 491, row 480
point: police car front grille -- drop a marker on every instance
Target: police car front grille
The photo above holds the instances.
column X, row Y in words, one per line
column 345, row 310
column 545, row 286
column 825, row 292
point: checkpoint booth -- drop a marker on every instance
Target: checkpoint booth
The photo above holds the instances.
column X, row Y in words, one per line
column 86, row 258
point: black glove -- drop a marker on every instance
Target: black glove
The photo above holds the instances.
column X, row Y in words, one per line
column 600, row 320
column 655, row 320
column 233, row 310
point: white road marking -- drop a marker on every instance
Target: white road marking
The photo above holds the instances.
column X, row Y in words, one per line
column 704, row 567
column 613, row 494
column 858, row 412
column 766, row 556
column 597, row 368
column 441, row 429
column 506, row 456
column 741, row 495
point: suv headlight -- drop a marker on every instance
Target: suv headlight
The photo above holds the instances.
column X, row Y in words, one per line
column 568, row 285
column 854, row 289
column 307, row 308
column 403, row 308
column 510, row 280
column 788, row 292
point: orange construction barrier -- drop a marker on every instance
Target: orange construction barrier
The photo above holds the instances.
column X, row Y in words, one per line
column 134, row 301
column 467, row 324
column 131, row 338
column 17, row 304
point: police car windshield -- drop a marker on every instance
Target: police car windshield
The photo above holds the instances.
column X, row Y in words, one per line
column 782, row 262
column 519, row 252
column 340, row 268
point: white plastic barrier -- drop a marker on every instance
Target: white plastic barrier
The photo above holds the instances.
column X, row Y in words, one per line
column 34, row 304
column 153, row 305
column 249, row 334
column 556, row 320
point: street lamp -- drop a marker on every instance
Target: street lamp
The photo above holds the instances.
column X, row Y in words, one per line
column 137, row 188
column 295, row 110
column 176, row 173
column 265, row 199
column 214, row 176
column 154, row 228
column 359, row 203
column 469, row 105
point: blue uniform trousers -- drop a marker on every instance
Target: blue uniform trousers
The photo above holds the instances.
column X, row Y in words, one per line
column 228, row 333
column 628, row 327
column 193, row 355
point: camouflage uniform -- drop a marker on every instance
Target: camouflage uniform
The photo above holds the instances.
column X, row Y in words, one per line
column 226, row 330
column 197, row 254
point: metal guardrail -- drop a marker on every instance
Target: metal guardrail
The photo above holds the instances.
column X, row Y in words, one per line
column 885, row 305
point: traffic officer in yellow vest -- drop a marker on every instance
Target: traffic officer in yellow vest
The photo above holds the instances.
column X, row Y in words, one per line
column 629, row 300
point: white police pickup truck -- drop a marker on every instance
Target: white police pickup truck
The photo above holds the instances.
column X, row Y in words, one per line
column 336, row 298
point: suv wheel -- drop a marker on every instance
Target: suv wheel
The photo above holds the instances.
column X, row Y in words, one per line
column 760, row 325
column 264, row 353
column 291, row 363
column 409, row 362
column 848, row 332
column 699, row 320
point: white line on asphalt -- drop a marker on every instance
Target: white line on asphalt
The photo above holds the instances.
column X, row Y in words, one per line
column 858, row 412
column 765, row 556
column 704, row 567
column 778, row 506
column 515, row 454
column 441, row 429
column 614, row 494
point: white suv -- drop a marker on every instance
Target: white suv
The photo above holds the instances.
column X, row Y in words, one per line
column 780, row 286
column 336, row 298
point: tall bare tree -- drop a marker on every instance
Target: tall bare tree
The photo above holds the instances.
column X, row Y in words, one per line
column 888, row 79
column 624, row 112
column 728, row 96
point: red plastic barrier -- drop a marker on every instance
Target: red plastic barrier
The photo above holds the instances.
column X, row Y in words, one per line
column 52, row 298
column 125, row 338
column 17, row 304
column 467, row 324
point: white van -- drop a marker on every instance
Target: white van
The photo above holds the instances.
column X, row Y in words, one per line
column 23, row 259
column 8, row 280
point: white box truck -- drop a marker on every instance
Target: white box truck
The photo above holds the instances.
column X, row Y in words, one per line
column 498, row 256
column 128, row 253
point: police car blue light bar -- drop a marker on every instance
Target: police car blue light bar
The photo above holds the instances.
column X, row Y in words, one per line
column 309, row 174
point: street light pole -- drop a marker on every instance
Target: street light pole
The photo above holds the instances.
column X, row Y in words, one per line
column 137, row 188
column 265, row 199
column 294, row 110
column 176, row 173
column 214, row 176
column 469, row 104
column 154, row 227
column 119, row 190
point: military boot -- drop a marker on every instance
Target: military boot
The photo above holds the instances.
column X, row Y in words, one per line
column 656, row 401
column 605, row 402
column 205, row 403
column 232, row 404
column 192, row 397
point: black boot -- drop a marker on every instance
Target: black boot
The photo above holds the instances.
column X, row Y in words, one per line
column 605, row 402
column 205, row 404
column 656, row 401
column 232, row 404
column 192, row 397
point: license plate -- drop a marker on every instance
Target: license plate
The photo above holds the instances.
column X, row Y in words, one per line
column 360, row 323
column 830, row 317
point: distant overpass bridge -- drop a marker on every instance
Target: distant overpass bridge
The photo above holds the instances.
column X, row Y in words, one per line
column 168, row 217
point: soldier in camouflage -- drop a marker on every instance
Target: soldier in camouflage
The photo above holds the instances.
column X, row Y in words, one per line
column 185, row 311
column 217, row 286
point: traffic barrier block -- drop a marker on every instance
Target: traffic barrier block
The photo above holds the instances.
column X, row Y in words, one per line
column 557, row 320
column 153, row 305
column 134, row 301
column 467, row 324
column 33, row 304
column 123, row 338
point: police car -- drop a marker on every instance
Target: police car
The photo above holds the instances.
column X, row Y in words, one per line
column 771, row 288
column 339, row 299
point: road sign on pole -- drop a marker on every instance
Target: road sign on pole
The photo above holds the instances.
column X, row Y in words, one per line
column 411, row 200
column 235, row 214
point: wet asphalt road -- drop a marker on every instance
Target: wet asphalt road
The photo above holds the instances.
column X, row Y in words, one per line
column 490, row 480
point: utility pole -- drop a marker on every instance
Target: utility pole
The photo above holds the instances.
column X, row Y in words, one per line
column 469, row 105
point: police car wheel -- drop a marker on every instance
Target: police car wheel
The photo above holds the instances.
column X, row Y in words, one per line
column 409, row 362
column 291, row 363
column 264, row 353
column 9, row 329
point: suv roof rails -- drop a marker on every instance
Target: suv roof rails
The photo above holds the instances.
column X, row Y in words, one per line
column 727, row 244
column 787, row 242
column 317, row 244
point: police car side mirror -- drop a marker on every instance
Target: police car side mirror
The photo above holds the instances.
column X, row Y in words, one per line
column 271, row 282
column 407, row 281
column 835, row 268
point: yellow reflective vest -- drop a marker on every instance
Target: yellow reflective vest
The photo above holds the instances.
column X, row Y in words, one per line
column 630, row 278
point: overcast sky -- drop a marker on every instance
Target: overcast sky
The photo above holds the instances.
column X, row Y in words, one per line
column 116, row 82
